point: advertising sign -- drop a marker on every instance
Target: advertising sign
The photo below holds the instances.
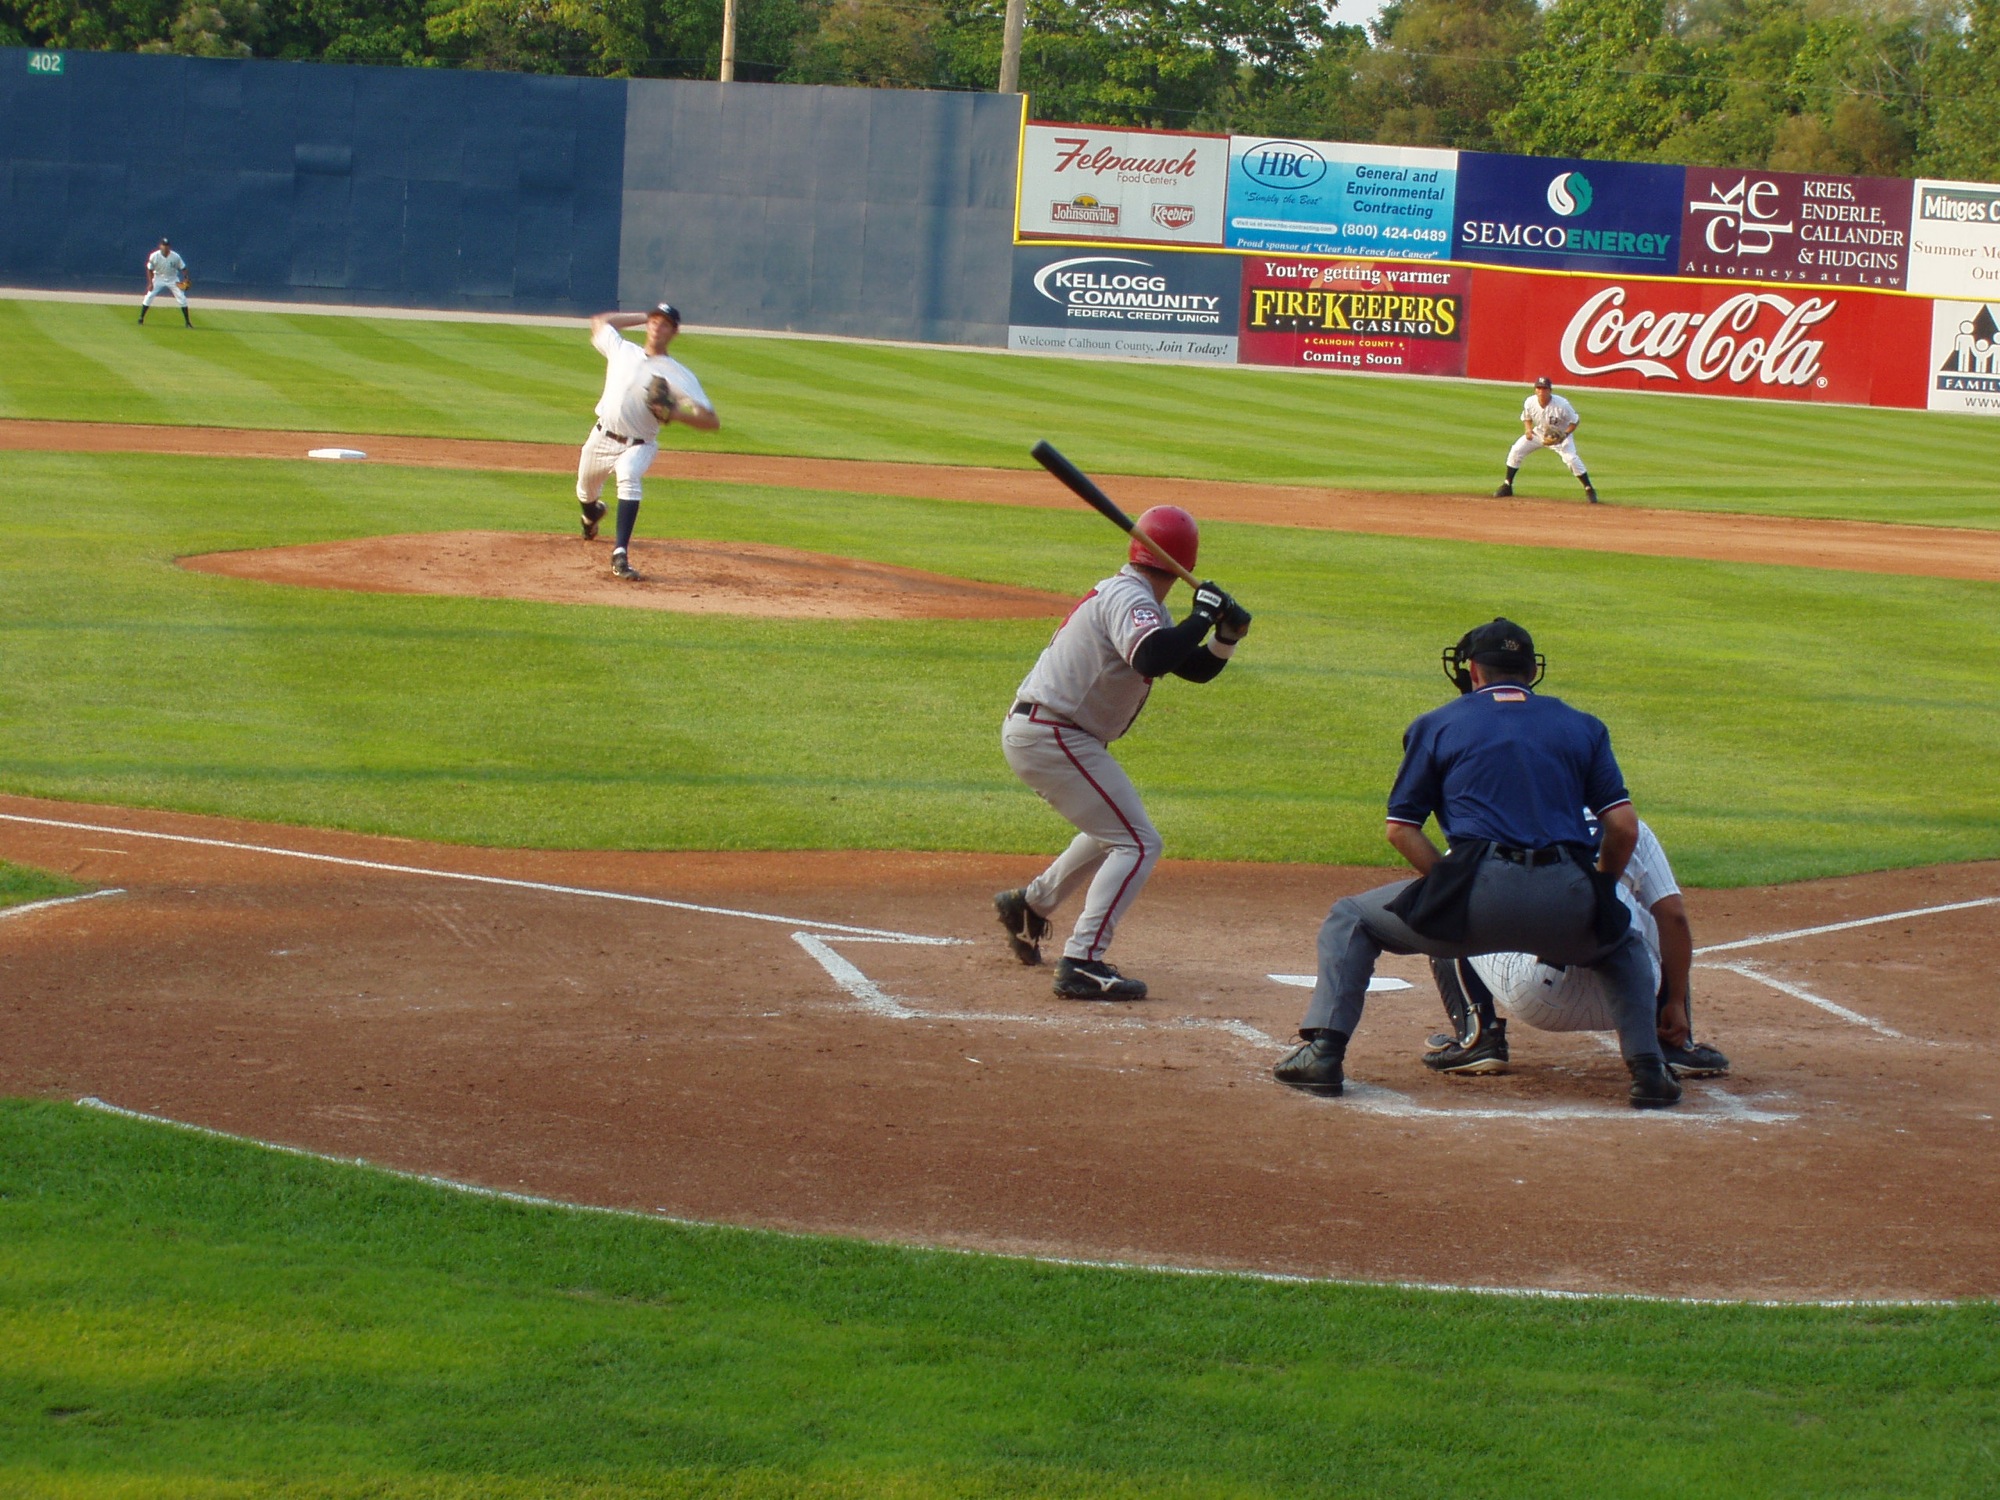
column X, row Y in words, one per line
column 1801, row 344
column 1324, row 198
column 1354, row 315
column 1786, row 226
column 1087, row 182
column 1563, row 215
column 1965, row 357
column 1955, row 240
column 1139, row 303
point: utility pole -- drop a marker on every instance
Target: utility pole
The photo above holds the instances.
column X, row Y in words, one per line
column 728, row 41
column 1010, row 47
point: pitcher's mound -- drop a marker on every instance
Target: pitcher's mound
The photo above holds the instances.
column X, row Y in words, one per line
column 714, row 578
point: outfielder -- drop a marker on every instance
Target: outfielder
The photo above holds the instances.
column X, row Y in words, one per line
column 1553, row 998
column 166, row 272
column 1085, row 691
column 1547, row 421
column 643, row 388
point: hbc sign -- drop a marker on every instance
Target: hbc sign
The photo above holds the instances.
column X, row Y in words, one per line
column 1326, row 198
column 1084, row 182
column 1714, row 340
column 1787, row 226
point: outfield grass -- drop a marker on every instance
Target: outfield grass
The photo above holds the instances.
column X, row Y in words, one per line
column 1775, row 722
column 186, row 1317
column 20, row 884
column 89, row 362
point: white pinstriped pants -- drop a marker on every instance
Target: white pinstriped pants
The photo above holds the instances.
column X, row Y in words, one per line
column 169, row 285
column 1117, row 845
column 1565, row 450
column 603, row 456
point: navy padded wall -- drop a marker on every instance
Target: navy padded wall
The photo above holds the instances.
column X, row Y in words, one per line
column 402, row 186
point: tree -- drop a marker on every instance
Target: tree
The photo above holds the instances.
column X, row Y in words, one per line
column 1964, row 136
column 1441, row 71
column 1603, row 81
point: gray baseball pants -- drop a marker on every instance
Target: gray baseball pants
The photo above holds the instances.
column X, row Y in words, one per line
column 1117, row 846
column 1546, row 910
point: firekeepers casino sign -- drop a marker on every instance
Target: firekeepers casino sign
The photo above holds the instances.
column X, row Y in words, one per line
column 1798, row 345
column 1784, row 226
column 1354, row 315
column 1080, row 182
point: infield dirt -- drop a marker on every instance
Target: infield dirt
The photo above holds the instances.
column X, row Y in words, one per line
column 716, row 1065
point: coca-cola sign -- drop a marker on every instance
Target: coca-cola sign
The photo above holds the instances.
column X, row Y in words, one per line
column 1081, row 181
column 1789, row 226
column 1816, row 345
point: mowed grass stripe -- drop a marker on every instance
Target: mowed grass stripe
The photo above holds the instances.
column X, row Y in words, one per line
column 1774, row 723
column 191, row 1316
column 83, row 362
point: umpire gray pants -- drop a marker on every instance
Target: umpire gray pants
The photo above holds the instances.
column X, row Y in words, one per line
column 1547, row 910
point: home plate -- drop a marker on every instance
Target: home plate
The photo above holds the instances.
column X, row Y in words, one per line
column 1376, row 985
column 335, row 453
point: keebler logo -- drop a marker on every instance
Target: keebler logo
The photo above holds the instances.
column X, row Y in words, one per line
column 1569, row 194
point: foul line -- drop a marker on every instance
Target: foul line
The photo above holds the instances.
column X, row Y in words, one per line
column 499, row 880
column 28, row 906
column 1752, row 971
column 1799, row 932
column 1280, row 1278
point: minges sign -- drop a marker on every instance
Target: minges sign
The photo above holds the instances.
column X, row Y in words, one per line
column 1085, row 182
column 1955, row 240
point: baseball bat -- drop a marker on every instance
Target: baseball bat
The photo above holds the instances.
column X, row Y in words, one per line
column 1086, row 490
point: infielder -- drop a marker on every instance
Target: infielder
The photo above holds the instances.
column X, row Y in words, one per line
column 1553, row 998
column 1547, row 421
column 166, row 272
column 643, row 388
column 1085, row 691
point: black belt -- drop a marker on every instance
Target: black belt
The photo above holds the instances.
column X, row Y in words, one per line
column 617, row 437
column 1023, row 707
column 1529, row 857
column 1026, row 709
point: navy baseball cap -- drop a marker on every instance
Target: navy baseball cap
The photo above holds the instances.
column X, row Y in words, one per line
column 1543, row 383
column 665, row 310
column 1501, row 644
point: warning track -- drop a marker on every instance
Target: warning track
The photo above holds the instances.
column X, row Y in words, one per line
column 1850, row 546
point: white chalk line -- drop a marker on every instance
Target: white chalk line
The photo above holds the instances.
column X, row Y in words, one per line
column 544, row 886
column 1378, row 984
column 1894, row 916
column 1278, row 1278
column 31, row 906
column 1710, row 1106
column 1799, row 992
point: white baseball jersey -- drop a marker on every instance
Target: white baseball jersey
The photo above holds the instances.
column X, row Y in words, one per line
column 1085, row 673
column 1575, row 999
column 164, row 266
column 628, row 369
column 1557, row 419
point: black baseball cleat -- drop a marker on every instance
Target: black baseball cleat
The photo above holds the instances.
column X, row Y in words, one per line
column 1590, row 493
column 1025, row 926
column 1486, row 1055
column 1653, row 1085
column 593, row 512
column 1505, row 492
column 1695, row 1060
column 620, row 568
column 1313, row 1067
column 1090, row 979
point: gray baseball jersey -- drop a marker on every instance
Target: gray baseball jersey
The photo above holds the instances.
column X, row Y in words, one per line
column 1085, row 673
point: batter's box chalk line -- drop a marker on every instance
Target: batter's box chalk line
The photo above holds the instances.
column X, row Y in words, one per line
column 27, row 908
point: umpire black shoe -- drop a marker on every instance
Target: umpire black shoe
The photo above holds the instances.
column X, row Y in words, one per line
column 593, row 512
column 1695, row 1060
column 1653, row 1085
column 1486, row 1055
column 1314, row 1066
column 1025, row 926
column 1088, row 979
column 620, row 568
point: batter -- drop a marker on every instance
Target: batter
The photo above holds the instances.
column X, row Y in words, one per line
column 166, row 272
column 1547, row 421
column 1085, row 691
column 643, row 388
column 1549, row 997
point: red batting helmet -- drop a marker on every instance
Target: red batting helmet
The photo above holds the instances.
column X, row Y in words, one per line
column 1174, row 529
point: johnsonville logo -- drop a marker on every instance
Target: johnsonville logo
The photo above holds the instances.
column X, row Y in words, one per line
column 1084, row 209
column 1409, row 315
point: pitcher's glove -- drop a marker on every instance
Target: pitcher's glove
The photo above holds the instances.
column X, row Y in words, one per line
column 661, row 400
column 1234, row 623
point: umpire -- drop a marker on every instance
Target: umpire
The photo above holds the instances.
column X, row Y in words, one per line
column 1508, row 775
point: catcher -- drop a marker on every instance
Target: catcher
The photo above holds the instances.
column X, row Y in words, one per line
column 166, row 272
column 1547, row 421
column 643, row 390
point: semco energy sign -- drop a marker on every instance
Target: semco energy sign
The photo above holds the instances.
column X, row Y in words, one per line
column 1552, row 214
column 1130, row 302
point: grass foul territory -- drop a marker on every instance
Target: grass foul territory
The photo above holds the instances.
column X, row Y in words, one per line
column 1774, row 722
column 189, row 1317
column 20, row 884
column 92, row 363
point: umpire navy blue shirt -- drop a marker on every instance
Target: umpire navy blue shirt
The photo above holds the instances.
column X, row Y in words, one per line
column 1505, row 765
